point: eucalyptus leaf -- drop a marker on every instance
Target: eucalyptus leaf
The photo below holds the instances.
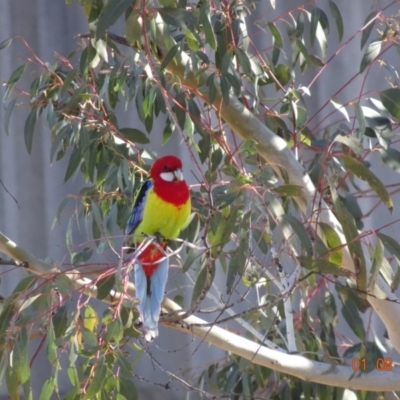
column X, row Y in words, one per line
column 97, row 381
column 337, row 15
column 391, row 100
column 110, row 14
column 370, row 54
column 391, row 157
column 202, row 280
column 353, row 143
column 14, row 78
column 369, row 25
column 322, row 266
column 134, row 135
column 5, row 43
column 364, row 173
column 29, row 129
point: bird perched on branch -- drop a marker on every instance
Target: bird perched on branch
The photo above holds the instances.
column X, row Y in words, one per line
column 161, row 210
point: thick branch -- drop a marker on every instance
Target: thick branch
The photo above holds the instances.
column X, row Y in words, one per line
column 296, row 365
column 44, row 269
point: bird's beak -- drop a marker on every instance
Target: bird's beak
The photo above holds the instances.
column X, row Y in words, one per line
column 178, row 175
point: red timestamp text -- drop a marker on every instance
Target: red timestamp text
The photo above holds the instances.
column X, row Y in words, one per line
column 381, row 364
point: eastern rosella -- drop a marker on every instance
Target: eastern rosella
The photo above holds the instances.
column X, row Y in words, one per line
column 161, row 208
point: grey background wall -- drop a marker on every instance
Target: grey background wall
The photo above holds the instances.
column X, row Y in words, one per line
column 51, row 26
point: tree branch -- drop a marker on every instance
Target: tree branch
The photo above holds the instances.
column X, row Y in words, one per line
column 38, row 267
column 293, row 364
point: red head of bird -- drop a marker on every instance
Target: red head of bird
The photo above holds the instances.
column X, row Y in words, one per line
column 169, row 184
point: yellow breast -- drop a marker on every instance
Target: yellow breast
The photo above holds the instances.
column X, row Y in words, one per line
column 160, row 217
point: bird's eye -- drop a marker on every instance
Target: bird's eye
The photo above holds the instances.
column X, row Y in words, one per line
column 165, row 168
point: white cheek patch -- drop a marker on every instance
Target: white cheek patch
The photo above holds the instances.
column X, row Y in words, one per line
column 167, row 176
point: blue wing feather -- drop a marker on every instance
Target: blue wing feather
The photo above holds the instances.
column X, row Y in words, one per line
column 138, row 207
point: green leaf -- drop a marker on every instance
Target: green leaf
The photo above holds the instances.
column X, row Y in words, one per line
column 287, row 190
column 29, row 129
column 367, row 31
column 25, row 284
column 396, row 279
column 340, row 107
column 124, row 365
column 14, row 78
column 352, row 317
column 361, row 120
column 177, row 17
column 115, row 330
column 27, row 302
column 7, row 114
column 5, row 43
column 353, row 143
column 191, row 257
column 238, row 261
column 180, row 109
column 323, row 266
column 364, row 173
column 370, row 55
column 60, row 210
column 68, row 80
column 277, row 42
column 60, row 321
column 319, row 21
column 168, row 130
column 20, row 357
column 212, row 89
column 51, row 346
column 12, row 383
column 170, row 56
column 350, row 231
column 82, row 256
column 205, row 20
column 225, row 89
column 7, row 311
column 298, row 228
column 73, row 163
column 377, row 261
column 90, row 318
column 73, row 376
column 97, row 382
column 391, row 100
column 337, row 17
column 390, row 244
column 97, row 216
column 202, row 280
column 64, row 132
column 128, row 389
column 263, row 240
column 221, row 228
column 104, row 286
column 48, row 388
column 333, row 242
column 244, row 61
column 283, row 74
column 109, row 15
column 391, row 157
column 75, row 100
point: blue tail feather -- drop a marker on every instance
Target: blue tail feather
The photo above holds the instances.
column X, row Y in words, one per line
column 151, row 298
